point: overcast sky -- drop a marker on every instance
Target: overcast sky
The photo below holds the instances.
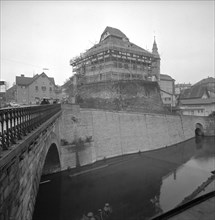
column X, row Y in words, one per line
column 38, row 34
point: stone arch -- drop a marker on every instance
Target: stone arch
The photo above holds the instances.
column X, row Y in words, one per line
column 49, row 150
column 52, row 160
column 199, row 130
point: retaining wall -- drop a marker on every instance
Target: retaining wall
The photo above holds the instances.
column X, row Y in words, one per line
column 116, row 133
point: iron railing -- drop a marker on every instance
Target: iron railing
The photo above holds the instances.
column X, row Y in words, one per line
column 15, row 123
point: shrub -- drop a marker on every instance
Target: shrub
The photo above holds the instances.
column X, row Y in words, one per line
column 89, row 139
column 64, row 142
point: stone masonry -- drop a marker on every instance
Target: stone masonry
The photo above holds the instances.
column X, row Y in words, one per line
column 19, row 179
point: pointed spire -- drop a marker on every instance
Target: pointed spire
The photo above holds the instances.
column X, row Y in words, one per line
column 155, row 48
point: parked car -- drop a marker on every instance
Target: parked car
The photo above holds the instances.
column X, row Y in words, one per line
column 45, row 101
column 14, row 104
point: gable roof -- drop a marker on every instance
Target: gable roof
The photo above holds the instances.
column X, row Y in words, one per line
column 206, row 81
column 23, row 81
column 11, row 88
column 26, row 81
column 37, row 76
column 196, row 91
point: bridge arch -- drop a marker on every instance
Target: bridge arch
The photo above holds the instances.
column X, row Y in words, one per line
column 52, row 160
column 49, row 162
column 199, row 130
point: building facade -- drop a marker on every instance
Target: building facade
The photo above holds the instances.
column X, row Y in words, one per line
column 197, row 107
column 116, row 58
column 31, row 90
column 167, row 90
column 198, row 100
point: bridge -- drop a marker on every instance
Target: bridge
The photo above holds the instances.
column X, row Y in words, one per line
column 29, row 147
column 45, row 139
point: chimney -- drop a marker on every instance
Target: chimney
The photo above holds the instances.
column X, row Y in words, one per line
column 22, row 75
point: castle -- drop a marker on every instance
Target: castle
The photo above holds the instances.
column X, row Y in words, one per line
column 117, row 74
column 116, row 58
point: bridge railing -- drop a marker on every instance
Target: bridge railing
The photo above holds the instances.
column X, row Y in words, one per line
column 15, row 123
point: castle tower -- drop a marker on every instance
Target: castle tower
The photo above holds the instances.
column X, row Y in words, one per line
column 156, row 61
column 155, row 48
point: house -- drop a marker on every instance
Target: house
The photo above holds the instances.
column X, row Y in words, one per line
column 11, row 94
column 30, row 90
column 209, row 83
column 199, row 100
column 198, row 107
column 2, row 99
column 167, row 90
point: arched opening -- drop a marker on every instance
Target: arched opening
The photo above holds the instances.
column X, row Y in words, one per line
column 52, row 161
column 199, row 130
column 46, row 199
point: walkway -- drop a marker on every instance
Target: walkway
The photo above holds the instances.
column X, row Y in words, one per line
column 203, row 211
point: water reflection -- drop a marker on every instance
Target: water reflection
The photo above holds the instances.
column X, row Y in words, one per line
column 137, row 188
column 189, row 175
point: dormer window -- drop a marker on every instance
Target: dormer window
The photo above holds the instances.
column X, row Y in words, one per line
column 105, row 35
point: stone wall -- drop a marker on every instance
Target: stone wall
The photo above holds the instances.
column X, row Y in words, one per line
column 117, row 133
column 133, row 95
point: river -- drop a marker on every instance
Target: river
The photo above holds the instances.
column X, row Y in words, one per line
column 137, row 186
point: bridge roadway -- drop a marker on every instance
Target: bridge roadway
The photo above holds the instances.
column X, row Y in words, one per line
column 44, row 139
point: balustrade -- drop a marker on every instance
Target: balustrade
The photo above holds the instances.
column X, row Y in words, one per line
column 15, row 123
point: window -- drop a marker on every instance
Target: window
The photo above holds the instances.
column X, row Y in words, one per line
column 120, row 65
column 134, row 67
column 126, row 66
column 43, row 88
column 93, row 68
column 50, row 89
column 36, row 88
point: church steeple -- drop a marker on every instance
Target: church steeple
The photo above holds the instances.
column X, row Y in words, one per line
column 155, row 48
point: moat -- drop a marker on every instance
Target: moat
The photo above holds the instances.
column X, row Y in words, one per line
column 137, row 186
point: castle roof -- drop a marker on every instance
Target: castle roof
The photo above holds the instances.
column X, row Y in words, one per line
column 113, row 32
column 113, row 38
